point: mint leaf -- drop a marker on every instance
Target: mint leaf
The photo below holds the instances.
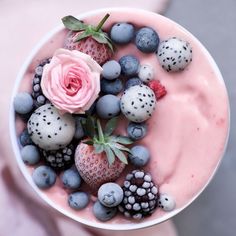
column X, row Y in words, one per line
column 121, row 156
column 72, row 23
column 98, row 148
column 121, row 139
column 100, row 132
column 89, row 142
column 110, row 126
column 83, row 35
column 110, row 155
column 89, row 127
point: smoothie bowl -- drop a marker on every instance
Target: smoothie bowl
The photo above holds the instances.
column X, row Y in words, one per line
column 120, row 119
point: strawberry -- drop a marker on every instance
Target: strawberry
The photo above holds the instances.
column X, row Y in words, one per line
column 88, row 39
column 101, row 158
column 158, row 88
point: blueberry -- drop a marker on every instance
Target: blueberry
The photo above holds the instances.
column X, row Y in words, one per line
column 108, row 106
column 30, row 154
column 79, row 131
column 132, row 82
column 71, row 179
column 166, row 202
column 136, row 131
column 111, row 70
column 122, row 33
column 139, row 156
column 78, row 200
column 110, row 194
column 111, row 87
column 25, row 138
column 147, row 40
column 129, row 65
column 44, row 177
column 23, row 103
column 103, row 213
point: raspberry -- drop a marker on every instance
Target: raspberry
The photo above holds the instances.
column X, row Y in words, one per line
column 140, row 195
column 158, row 88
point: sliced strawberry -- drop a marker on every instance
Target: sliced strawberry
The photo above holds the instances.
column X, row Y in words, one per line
column 158, row 88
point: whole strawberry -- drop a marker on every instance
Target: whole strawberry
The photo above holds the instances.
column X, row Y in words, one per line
column 101, row 158
column 88, row 39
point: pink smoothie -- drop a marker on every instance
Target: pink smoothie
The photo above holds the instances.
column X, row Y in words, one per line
column 187, row 133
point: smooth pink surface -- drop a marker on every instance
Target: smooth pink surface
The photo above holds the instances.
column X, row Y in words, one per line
column 23, row 23
column 194, row 111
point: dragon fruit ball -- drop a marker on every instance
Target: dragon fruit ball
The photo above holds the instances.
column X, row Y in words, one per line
column 49, row 129
column 138, row 103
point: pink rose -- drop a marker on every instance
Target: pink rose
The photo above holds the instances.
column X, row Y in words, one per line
column 71, row 81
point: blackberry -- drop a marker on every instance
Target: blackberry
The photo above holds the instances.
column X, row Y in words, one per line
column 39, row 98
column 61, row 159
column 140, row 195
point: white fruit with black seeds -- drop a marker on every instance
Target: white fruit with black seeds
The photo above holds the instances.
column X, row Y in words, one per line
column 146, row 73
column 174, row 54
column 166, row 202
column 138, row 103
column 49, row 129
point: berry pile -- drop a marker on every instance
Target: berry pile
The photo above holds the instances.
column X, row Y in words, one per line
column 85, row 147
column 141, row 195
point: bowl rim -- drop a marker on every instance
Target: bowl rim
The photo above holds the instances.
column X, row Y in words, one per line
column 15, row 142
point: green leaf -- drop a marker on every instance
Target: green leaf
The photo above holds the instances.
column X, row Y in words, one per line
column 98, row 148
column 110, row 126
column 83, row 35
column 121, row 139
column 89, row 142
column 89, row 127
column 120, row 147
column 121, row 156
column 72, row 23
column 100, row 132
column 110, row 155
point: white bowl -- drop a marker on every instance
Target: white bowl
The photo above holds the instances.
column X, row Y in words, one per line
column 26, row 173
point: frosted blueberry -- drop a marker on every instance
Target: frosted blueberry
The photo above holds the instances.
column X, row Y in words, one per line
column 108, row 106
column 44, row 177
column 102, row 212
column 78, row 200
column 23, row 103
column 71, row 179
column 122, row 32
column 110, row 194
column 111, row 70
column 30, row 154
column 139, row 155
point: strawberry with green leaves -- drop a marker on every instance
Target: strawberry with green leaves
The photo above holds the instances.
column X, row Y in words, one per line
column 102, row 157
column 88, row 39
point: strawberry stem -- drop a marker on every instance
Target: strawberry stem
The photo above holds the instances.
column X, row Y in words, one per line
column 101, row 23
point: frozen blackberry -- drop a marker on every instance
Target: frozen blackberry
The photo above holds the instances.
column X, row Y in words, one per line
column 140, row 195
column 61, row 159
column 39, row 98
